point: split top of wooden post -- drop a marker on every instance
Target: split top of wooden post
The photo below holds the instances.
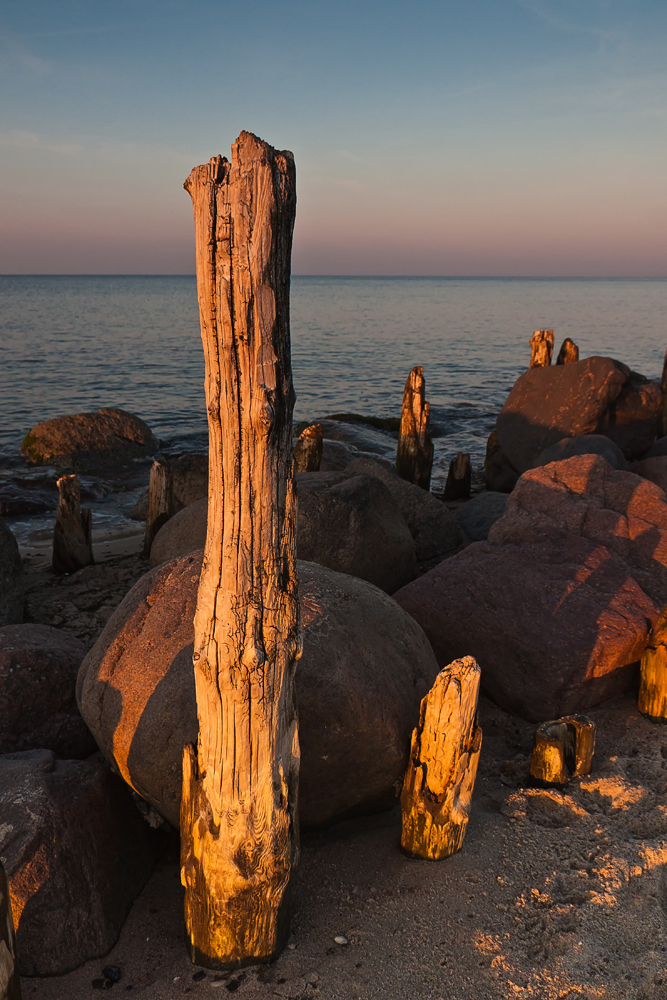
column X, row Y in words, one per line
column 541, row 348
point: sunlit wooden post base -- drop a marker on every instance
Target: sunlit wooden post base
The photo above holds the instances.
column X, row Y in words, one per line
column 10, row 982
column 308, row 449
column 563, row 749
column 652, row 700
column 541, row 348
column 239, row 829
column 444, row 754
column 414, row 453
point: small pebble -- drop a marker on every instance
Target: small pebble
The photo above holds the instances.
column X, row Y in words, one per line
column 198, row 976
column 291, row 947
column 339, row 939
column 113, row 973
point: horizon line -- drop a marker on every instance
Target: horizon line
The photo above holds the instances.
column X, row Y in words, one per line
column 366, row 277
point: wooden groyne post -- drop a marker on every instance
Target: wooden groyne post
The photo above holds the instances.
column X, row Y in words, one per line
column 239, row 833
column 308, row 449
column 160, row 500
column 569, row 353
column 439, row 781
column 541, row 348
column 414, row 454
column 72, row 544
column 653, row 673
column 10, row 983
column 459, row 478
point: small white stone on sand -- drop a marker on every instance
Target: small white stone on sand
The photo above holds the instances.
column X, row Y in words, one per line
column 339, row 939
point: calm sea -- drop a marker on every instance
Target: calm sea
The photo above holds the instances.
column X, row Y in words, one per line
column 70, row 344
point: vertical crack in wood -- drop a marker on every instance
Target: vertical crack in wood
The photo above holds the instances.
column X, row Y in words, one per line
column 239, row 833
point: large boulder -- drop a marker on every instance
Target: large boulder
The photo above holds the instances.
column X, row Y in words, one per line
column 352, row 524
column 363, row 438
column 365, row 667
column 12, row 591
column 556, row 626
column 433, row 526
column 183, row 533
column 653, row 469
column 480, row 513
column 76, row 853
column 38, row 710
column 594, row 396
column 586, row 498
column 88, row 442
column 583, row 444
column 189, row 474
column 557, row 606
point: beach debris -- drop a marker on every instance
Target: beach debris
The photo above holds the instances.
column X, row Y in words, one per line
column 198, row 976
column 569, row 353
column 653, row 673
column 541, row 348
column 439, row 781
column 457, row 486
column 239, row 825
column 341, row 939
column 563, row 749
column 500, row 474
column 160, row 500
column 414, row 454
column 308, row 450
column 72, row 545
column 10, row 983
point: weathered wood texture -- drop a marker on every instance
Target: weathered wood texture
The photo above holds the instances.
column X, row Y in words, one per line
column 239, row 833
column 563, row 749
column 569, row 353
column 160, row 500
column 414, row 454
column 653, row 675
column 457, row 486
column 10, row 983
column 308, row 450
column 663, row 385
column 439, row 781
column 541, row 348
column 72, row 545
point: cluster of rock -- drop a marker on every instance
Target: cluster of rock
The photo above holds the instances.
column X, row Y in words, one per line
column 551, row 579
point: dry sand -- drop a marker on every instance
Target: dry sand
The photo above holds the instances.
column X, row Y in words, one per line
column 552, row 896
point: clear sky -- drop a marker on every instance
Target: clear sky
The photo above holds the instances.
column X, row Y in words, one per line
column 460, row 137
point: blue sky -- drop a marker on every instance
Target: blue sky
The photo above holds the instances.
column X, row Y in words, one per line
column 480, row 137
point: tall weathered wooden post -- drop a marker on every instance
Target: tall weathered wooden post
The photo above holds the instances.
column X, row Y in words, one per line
column 239, row 834
column 414, row 453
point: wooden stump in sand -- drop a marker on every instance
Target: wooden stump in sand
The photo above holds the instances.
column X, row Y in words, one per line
column 72, row 546
column 308, row 450
column 160, row 500
column 541, row 348
column 653, row 676
column 457, row 486
column 239, row 832
column 569, row 353
column 414, row 454
column 10, row 984
column 563, row 749
column 439, row 781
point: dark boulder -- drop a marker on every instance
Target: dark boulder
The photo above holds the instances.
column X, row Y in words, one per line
column 594, row 396
column 432, row 525
column 87, row 442
column 365, row 667
column 352, row 524
column 583, row 444
column 183, row 533
column 480, row 513
column 38, row 710
column 12, row 591
column 76, row 853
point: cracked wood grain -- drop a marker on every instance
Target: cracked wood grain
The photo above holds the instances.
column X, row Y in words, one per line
column 239, row 833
